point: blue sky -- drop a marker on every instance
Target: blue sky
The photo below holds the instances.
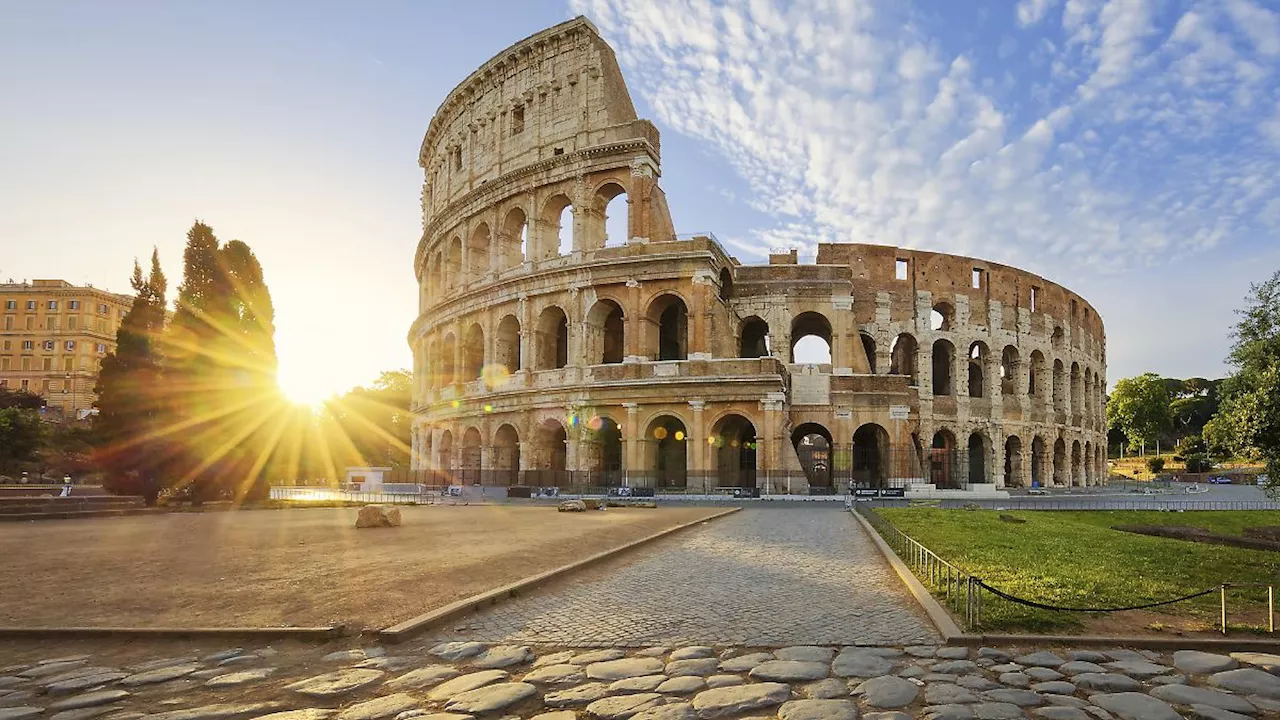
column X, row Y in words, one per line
column 1128, row 149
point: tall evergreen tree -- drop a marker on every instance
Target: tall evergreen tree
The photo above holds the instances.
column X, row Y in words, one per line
column 130, row 403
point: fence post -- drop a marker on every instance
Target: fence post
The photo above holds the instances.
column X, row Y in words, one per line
column 1271, row 608
column 1223, row 595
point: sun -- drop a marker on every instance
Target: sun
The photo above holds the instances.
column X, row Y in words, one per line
column 302, row 390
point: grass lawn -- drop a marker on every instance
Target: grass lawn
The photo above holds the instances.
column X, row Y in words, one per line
column 1075, row 559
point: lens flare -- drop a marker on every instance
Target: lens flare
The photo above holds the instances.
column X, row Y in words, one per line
column 495, row 376
column 679, row 435
column 660, row 433
column 595, row 423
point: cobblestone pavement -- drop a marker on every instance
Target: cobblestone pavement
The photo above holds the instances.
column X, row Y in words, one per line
column 762, row 577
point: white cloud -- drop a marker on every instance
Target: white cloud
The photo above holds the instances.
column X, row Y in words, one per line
column 1030, row 12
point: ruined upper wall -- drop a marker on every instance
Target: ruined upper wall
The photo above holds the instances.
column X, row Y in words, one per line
column 551, row 94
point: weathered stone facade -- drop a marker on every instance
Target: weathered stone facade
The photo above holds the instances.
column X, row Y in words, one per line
column 557, row 355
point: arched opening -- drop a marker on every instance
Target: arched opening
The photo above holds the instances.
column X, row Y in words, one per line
column 811, row 339
column 978, row 359
column 426, row 451
column 667, row 328
column 902, row 357
column 473, row 354
column 1077, row 464
column 603, row 446
column 605, row 324
column 506, row 456
column 1061, row 473
column 1087, row 467
column 942, row 460
column 734, row 440
column 754, row 342
column 942, row 317
column 1077, row 392
column 726, row 285
column 444, row 455
column 1086, row 401
column 870, row 461
column 453, row 263
column 614, row 207
column 869, row 349
column 1013, row 462
column 978, row 449
column 469, row 470
column 515, row 238
column 551, row 349
column 506, row 345
column 551, row 450
column 943, row 360
column 430, row 368
column 557, row 228
column 1038, row 458
column 448, row 351
column 1059, row 387
column 1058, row 338
column 478, row 253
column 1035, row 378
column 813, row 446
column 436, row 277
column 564, row 232
column 668, row 451
column 1008, row 370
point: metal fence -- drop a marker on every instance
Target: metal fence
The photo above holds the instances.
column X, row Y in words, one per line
column 1083, row 503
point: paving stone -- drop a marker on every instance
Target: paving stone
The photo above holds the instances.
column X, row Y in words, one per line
column 1203, row 663
column 1267, row 661
column 912, row 672
column 64, row 659
column 923, row 651
column 1075, row 667
column 693, row 652
column 240, row 660
column 818, row 710
column 163, row 663
column 997, row 711
column 336, row 684
column 1267, row 704
column 1135, row 706
column 948, row 712
column 941, row 678
column 1187, row 695
column 955, row 667
column 1043, row 658
column 390, row 663
column 353, row 655
column 160, row 675
column 80, row 683
column 789, row 670
column 213, row 658
column 555, row 715
column 16, row 698
column 466, row 683
column 595, row 656
column 624, row 668
column 1109, row 682
column 421, row 678
column 976, row 682
column 624, row 706
column 716, row 681
column 1092, row 656
column 1008, row 667
column 556, row 675
column 1061, row 713
column 87, row 713
column 240, row 678
column 303, row 714
column 888, row 715
column 952, row 653
column 657, row 651
column 11, row 681
column 853, row 662
column 385, row 706
column 1168, row 680
column 221, row 711
column 700, row 667
column 1057, row 687
column 828, row 689
column 21, row 712
column 581, row 695
column 1065, row 700
column 1042, row 674
column 501, row 656
column 744, row 663
column 732, row 700
column 682, row 685
column 643, row 683
column 1015, row 680
column 454, row 651
column 1248, row 680
column 1022, row 698
column 948, row 694
column 806, row 653
column 50, row 669
column 1209, row 712
column 670, row 711
column 994, row 654
column 76, row 673
column 491, row 698
column 1138, row 668
column 1125, row 654
column 89, row 699
column 559, row 658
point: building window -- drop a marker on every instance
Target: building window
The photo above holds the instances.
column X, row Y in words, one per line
column 1034, row 292
column 102, row 309
column 31, row 322
column 100, row 348
column 8, row 322
column 4, row 382
column 10, row 304
column 51, row 323
column 4, row 363
column 26, row 363
column 28, row 344
column 900, row 269
column 75, row 304
column 457, row 157
column 48, row 345
column 46, row 364
column 7, row 345
column 977, row 278
column 67, row 363
column 71, row 322
column 26, row 384
column 31, row 304
column 517, row 121
column 53, row 305
column 70, row 345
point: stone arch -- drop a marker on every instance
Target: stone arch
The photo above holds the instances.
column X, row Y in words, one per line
column 506, row 344
column 555, row 238
column 811, row 324
column 1061, row 473
column 550, row 454
column 506, row 455
column 1077, row 464
column 610, row 217
column 870, row 457
column 1059, row 387
column 667, row 440
column 902, row 357
column 869, row 349
column 943, row 316
column 753, row 338
column 469, row 468
column 942, row 460
column 1077, row 392
column 478, row 248
column 426, row 451
column 1058, row 338
column 436, row 275
column 453, row 263
column 979, row 358
column 444, row 454
column 1013, row 462
column 943, row 362
column 1036, row 375
column 605, row 325
column 814, row 447
column 602, row 449
column 1039, row 457
column 514, row 247
column 473, row 353
column 551, row 339
column 1009, row 369
column 979, row 452
column 448, row 351
column 667, row 327
column 1089, row 478
column 726, row 285
column 733, row 437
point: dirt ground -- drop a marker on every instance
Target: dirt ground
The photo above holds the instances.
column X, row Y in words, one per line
column 299, row 567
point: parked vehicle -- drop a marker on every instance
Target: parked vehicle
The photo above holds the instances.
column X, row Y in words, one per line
column 1220, row 480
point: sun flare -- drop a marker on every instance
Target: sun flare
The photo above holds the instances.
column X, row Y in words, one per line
column 303, row 390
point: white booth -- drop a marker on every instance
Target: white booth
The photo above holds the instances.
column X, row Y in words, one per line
column 365, row 479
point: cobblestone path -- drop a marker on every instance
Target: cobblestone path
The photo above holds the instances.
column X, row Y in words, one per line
column 761, row 577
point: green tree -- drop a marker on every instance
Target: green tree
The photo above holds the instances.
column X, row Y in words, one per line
column 21, row 434
column 23, row 399
column 1139, row 406
column 1250, row 413
column 131, row 408
column 1155, row 465
column 373, row 423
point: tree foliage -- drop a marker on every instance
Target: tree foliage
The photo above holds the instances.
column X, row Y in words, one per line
column 20, row 435
column 22, row 399
column 1250, row 414
column 1139, row 406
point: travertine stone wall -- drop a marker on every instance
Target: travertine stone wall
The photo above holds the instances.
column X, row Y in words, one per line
column 546, row 353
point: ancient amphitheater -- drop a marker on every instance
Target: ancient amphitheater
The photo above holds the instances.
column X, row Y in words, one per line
column 548, row 351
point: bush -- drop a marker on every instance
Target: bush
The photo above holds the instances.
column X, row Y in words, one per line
column 1198, row 463
column 1155, row 465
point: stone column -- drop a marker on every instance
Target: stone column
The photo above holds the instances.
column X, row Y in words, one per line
column 633, row 324
column 768, row 449
column 631, row 445
column 697, row 470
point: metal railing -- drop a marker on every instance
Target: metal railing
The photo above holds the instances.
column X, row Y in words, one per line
column 1164, row 503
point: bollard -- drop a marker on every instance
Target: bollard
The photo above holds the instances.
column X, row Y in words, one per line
column 1222, row 591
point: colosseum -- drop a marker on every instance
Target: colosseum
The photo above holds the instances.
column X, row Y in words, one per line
column 549, row 351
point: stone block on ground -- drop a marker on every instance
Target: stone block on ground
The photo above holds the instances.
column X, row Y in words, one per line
column 572, row 506
column 373, row 516
column 733, row 700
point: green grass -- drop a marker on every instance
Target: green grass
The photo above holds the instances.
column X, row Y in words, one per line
column 1075, row 559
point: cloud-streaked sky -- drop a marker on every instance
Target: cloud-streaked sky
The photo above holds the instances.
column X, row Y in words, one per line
column 1129, row 149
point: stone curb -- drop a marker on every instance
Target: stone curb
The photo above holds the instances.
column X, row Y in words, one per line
column 413, row 626
column 127, row 633
column 938, row 615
